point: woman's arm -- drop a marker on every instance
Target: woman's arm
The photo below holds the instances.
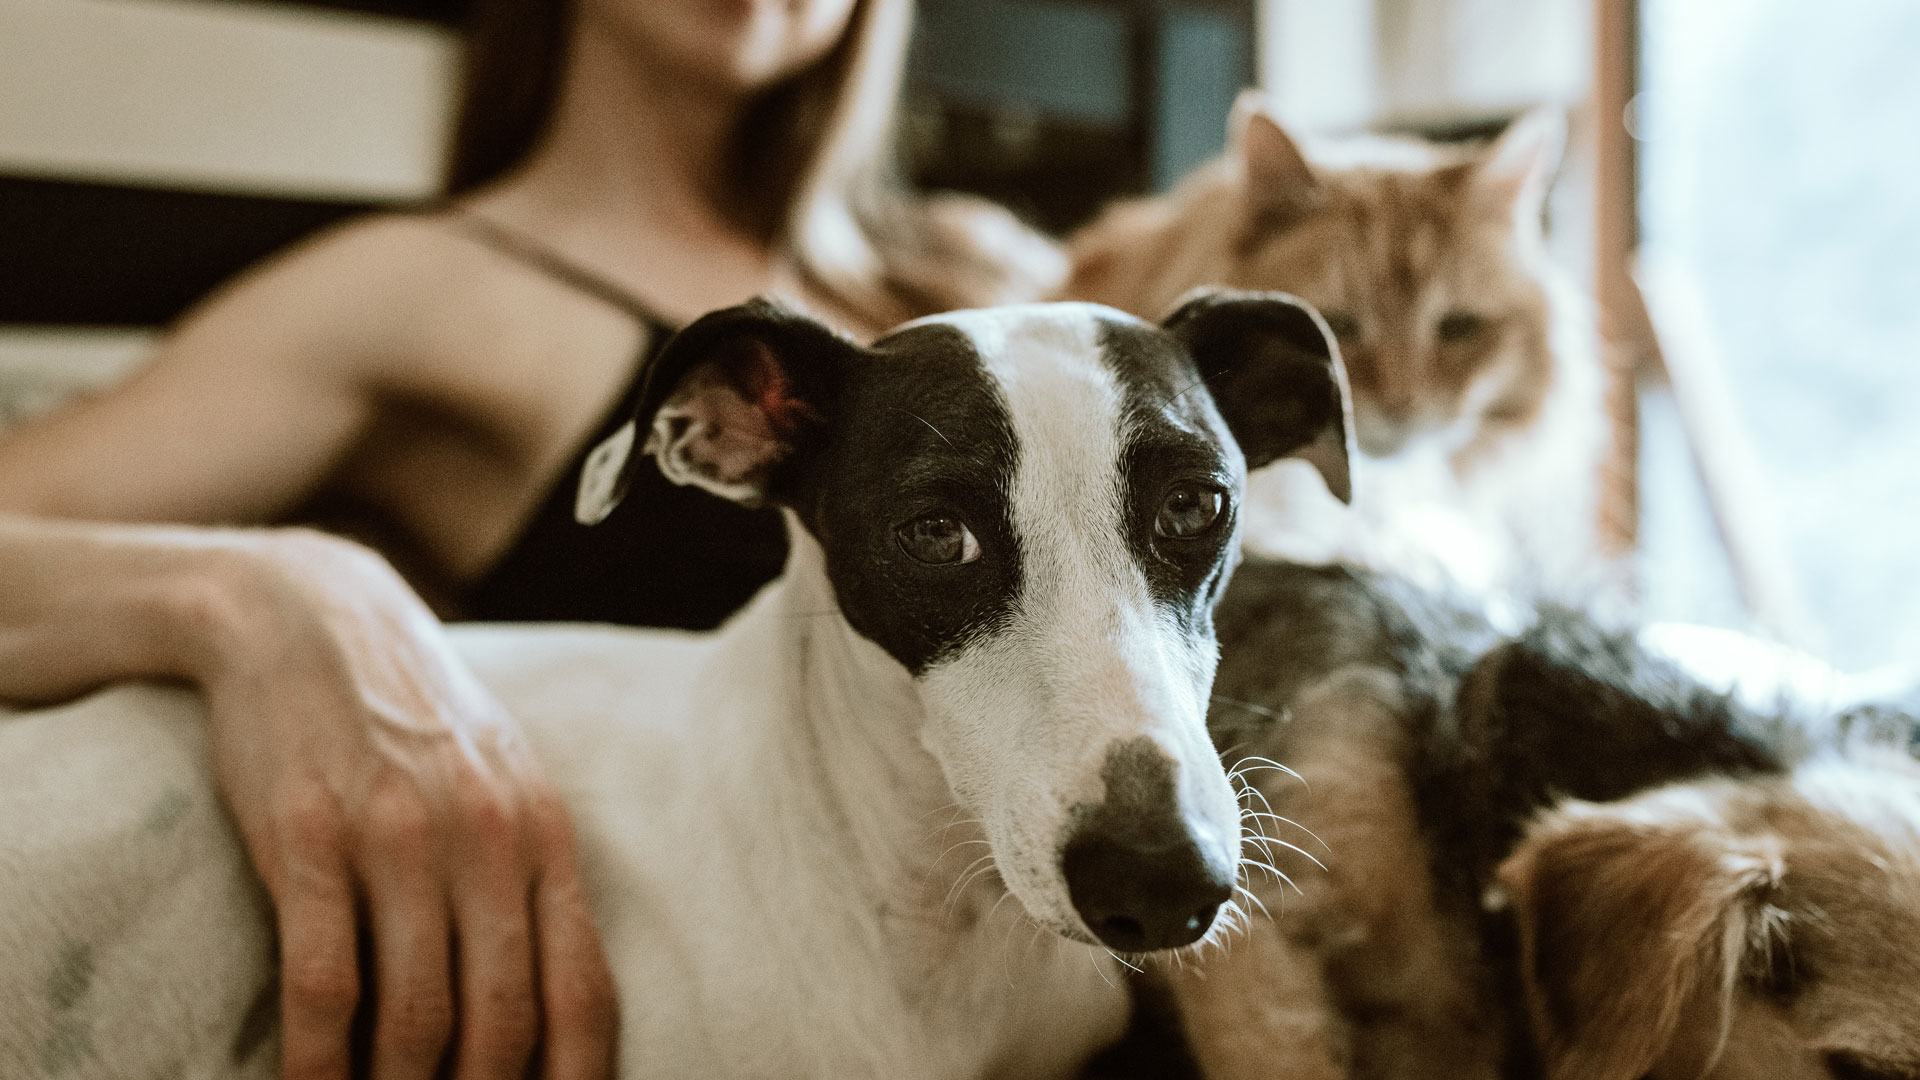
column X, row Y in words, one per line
column 368, row 772
column 246, row 405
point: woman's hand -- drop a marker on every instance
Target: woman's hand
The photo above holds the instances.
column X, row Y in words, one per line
column 386, row 798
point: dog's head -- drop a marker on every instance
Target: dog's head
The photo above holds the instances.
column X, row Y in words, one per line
column 1757, row 929
column 1032, row 510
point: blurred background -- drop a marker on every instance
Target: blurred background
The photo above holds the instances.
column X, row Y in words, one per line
column 1738, row 194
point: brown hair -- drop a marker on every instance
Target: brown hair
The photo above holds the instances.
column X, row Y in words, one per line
column 815, row 157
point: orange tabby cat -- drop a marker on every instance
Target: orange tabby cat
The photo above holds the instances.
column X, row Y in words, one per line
column 1476, row 390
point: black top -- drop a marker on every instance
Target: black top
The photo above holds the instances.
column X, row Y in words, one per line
column 667, row 556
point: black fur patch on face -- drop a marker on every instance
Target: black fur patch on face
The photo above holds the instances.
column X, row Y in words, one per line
column 1139, row 803
column 922, row 431
column 1173, row 438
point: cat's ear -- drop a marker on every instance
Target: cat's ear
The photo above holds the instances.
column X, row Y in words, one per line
column 1281, row 184
column 1515, row 171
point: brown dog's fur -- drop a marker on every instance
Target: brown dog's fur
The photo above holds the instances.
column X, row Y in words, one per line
column 1728, row 930
column 1364, row 970
column 1358, row 971
column 1449, row 912
column 1475, row 385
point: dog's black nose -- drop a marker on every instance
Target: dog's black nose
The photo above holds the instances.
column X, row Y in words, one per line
column 1146, row 891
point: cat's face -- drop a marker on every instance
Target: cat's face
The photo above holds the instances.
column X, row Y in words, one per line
column 1426, row 263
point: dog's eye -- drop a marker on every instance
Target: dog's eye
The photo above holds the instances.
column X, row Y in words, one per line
column 1460, row 325
column 1189, row 510
column 938, row 540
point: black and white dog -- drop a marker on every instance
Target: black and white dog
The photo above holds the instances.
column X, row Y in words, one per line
column 994, row 637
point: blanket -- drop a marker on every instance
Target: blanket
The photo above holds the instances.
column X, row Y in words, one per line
column 134, row 942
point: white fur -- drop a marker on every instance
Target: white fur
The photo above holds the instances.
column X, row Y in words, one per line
column 599, row 489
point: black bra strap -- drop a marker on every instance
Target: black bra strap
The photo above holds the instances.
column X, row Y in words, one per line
column 532, row 253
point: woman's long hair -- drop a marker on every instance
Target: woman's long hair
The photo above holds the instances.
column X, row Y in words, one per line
column 814, row 161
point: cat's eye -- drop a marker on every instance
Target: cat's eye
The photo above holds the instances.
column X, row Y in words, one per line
column 1342, row 324
column 1189, row 510
column 1460, row 325
column 938, row 540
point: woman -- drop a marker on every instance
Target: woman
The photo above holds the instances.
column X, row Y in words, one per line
column 622, row 166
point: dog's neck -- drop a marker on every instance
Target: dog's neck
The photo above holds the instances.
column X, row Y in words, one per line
column 851, row 749
column 853, row 820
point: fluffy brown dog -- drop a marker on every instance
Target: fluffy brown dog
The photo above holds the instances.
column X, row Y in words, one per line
column 1711, row 908
column 1730, row 930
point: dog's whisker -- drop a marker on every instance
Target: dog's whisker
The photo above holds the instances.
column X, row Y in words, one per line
column 1279, row 716
column 1315, row 837
column 1297, row 825
column 1258, row 794
column 1250, row 895
column 1248, row 813
column 1259, row 842
column 956, row 846
column 953, row 807
column 973, row 873
column 1298, row 850
column 1006, row 953
column 1255, row 763
column 996, row 907
column 1006, row 943
column 1278, row 876
column 953, row 822
column 1244, row 786
column 952, row 825
column 935, row 865
column 1094, row 959
column 966, row 876
column 1124, row 963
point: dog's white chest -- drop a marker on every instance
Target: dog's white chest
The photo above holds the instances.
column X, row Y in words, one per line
column 727, row 897
column 853, row 1000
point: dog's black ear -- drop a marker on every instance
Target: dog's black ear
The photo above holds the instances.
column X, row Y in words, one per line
column 731, row 404
column 1275, row 373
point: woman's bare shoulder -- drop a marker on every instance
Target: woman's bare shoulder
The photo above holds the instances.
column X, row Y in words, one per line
column 359, row 291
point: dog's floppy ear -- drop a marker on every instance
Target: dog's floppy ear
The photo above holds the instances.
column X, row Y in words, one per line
column 1636, row 925
column 1275, row 373
column 731, row 404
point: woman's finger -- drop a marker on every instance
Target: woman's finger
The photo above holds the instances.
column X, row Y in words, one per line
column 407, row 908
column 319, row 967
column 499, row 1005
column 581, row 1016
